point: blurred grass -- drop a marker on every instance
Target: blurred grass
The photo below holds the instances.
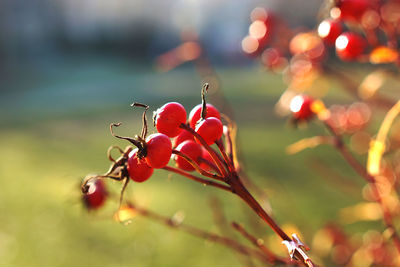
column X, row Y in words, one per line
column 54, row 131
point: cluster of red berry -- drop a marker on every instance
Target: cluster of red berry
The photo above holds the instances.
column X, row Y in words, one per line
column 352, row 27
column 156, row 150
column 356, row 30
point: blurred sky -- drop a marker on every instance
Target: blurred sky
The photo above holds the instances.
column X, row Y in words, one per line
column 68, row 55
column 37, row 29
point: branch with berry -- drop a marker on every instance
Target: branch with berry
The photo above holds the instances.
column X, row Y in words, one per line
column 203, row 144
column 352, row 33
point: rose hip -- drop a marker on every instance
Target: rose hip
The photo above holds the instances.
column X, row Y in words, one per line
column 168, row 118
column 210, row 129
column 95, row 195
column 138, row 169
column 158, row 150
column 195, row 114
column 190, row 149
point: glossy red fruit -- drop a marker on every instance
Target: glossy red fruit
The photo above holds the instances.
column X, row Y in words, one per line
column 183, row 136
column 329, row 30
column 138, row 169
column 169, row 117
column 207, row 157
column 195, row 114
column 192, row 150
column 159, row 150
column 300, row 106
column 96, row 194
column 210, row 129
column 349, row 46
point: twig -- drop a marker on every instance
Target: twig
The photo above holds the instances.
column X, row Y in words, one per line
column 197, row 179
column 213, row 154
column 258, row 243
column 202, row 234
column 196, row 166
column 387, row 217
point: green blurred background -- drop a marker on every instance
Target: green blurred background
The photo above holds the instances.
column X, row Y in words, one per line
column 61, row 86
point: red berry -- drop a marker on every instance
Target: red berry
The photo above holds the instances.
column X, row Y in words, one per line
column 195, row 114
column 138, row 169
column 206, row 156
column 169, row 117
column 300, row 105
column 159, row 150
column 192, row 150
column 354, row 9
column 96, row 194
column 329, row 30
column 183, row 136
column 210, row 129
column 350, row 45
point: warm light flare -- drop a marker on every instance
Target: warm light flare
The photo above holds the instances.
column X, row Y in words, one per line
column 124, row 214
column 383, row 54
column 296, row 103
column 335, row 13
column 323, row 29
column 250, row 45
column 258, row 29
column 342, row 42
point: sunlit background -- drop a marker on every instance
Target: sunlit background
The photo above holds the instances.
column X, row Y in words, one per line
column 68, row 68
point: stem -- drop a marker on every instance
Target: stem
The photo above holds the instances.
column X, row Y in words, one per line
column 196, row 166
column 341, row 147
column 227, row 160
column 213, row 154
column 203, row 101
column 256, row 242
column 239, row 189
column 203, row 234
column 197, row 179
column 208, row 163
column 387, row 217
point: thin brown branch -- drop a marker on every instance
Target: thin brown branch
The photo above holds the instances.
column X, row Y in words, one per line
column 209, row 164
column 222, row 223
column 239, row 189
column 342, row 148
column 258, row 243
column 196, row 166
column 227, row 160
column 213, row 154
column 197, row 179
column 356, row 165
column 230, row 243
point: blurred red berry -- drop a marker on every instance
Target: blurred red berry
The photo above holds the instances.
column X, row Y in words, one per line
column 300, row 106
column 183, row 136
column 138, row 169
column 190, row 149
column 210, row 129
column 329, row 30
column 95, row 195
column 350, row 45
column 169, row 117
column 354, row 9
column 195, row 114
column 158, row 150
